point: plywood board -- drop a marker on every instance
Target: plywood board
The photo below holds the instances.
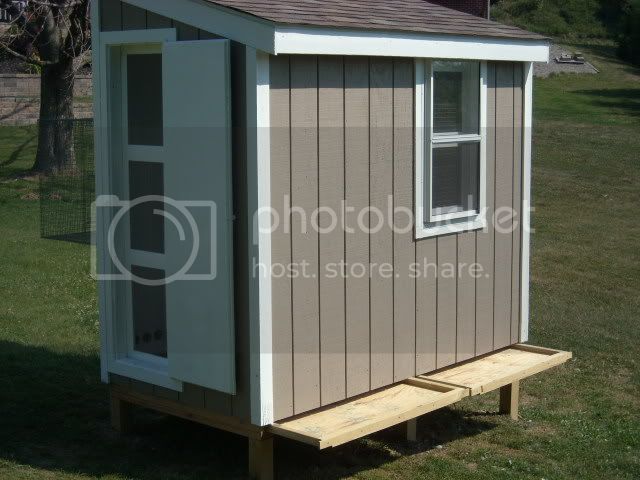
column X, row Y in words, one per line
column 371, row 413
column 501, row 368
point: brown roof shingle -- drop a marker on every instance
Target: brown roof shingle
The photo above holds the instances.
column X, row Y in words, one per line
column 417, row 16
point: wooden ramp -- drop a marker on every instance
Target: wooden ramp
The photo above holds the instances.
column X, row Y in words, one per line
column 499, row 369
column 406, row 401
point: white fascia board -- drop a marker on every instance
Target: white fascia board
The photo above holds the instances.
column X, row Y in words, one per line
column 321, row 41
column 227, row 23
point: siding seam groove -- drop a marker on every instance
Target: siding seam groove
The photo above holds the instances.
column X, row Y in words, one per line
column 393, row 205
column 369, row 233
column 293, row 345
column 319, row 258
column 344, row 216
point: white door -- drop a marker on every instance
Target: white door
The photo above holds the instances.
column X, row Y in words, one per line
column 177, row 237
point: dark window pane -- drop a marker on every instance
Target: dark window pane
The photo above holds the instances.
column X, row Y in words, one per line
column 456, row 178
column 447, row 102
column 456, row 97
column 149, row 313
column 147, row 227
column 144, row 99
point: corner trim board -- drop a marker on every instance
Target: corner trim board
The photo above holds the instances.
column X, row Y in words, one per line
column 259, row 188
column 526, row 202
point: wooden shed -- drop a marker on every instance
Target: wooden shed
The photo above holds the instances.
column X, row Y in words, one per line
column 313, row 217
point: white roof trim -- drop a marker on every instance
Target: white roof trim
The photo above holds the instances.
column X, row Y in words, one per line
column 317, row 41
column 276, row 39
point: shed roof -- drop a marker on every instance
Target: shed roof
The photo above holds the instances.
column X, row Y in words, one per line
column 417, row 16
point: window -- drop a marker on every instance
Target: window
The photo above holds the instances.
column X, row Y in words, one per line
column 450, row 146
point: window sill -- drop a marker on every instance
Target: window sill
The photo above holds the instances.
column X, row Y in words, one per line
column 145, row 371
column 430, row 231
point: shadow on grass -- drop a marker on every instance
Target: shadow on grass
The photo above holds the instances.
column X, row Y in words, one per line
column 627, row 99
column 55, row 417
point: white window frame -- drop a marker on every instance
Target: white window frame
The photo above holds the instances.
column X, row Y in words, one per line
column 116, row 355
column 428, row 224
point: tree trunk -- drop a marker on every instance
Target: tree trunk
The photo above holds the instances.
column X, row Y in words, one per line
column 55, row 131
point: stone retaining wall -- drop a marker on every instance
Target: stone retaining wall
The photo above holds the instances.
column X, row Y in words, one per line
column 20, row 98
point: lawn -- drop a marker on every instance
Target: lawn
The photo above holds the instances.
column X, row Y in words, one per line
column 581, row 421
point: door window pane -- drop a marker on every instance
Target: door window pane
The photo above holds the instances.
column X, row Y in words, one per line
column 455, row 178
column 456, row 97
column 149, row 313
column 147, row 226
column 144, row 99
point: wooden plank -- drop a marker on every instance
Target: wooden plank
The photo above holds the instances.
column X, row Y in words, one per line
column 157, row 21
column 281, row 239
column 370, row 413
column 192, row 395
column 331, row 193
column 412, row 430
column 381, row 236
column 498, row 369
column 485, row 239
column 503, row 204
column 133, row 18
column 356, row 99
column 426, row 305
column 517, row 202
column 404, row 249
column 446, row 301
column 111, row 15
column 170, row 407
column 166, row 393
column 304, row 199
column 261, row 459
column 466, row 298
column 121, row 415
column 510, row 399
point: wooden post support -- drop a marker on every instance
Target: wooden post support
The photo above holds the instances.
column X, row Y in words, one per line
column 121, row 414
column 261, row 458
column 412, row 430
column 509, row 399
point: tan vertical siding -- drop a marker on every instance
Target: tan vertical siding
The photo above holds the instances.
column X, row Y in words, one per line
column 466, row 298
column 485, row 248
column 304, row 239
column 503, row 204
column 357, row 308
column 331, row 196
column 133, row 18
column 381, row 238
column 280, row 241
column 368, row 331
column 446, row 301
column 426, row 305
column 518, row 75
column 404, row 247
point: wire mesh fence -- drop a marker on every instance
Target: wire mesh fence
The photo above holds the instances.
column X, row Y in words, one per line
column 67, row 195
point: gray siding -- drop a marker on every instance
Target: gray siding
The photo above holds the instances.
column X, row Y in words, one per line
column 342, row 130
column 117, row 16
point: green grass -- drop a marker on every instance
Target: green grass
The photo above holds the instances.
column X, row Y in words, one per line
column 580, row 421
column 562, row 18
